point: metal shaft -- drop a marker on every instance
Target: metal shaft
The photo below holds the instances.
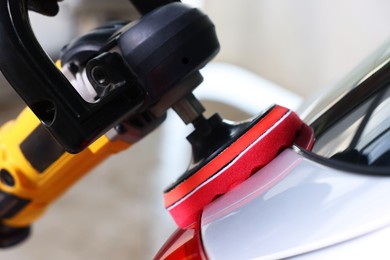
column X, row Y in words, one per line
column 189, row 108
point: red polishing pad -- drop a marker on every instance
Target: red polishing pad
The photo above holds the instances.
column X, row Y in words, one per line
column 275, row 131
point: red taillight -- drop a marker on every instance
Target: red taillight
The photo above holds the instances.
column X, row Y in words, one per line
column 183, row 244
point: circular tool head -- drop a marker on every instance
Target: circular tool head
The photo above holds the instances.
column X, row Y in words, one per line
column 233, row 162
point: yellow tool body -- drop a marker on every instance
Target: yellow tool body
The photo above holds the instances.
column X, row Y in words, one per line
column 32, row 190
column 115, row 86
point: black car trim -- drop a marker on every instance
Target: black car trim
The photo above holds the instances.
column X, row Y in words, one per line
column 344, row 166
column 365, row 90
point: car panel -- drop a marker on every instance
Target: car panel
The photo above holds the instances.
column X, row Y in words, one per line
column 373, row 245
column 293, row 206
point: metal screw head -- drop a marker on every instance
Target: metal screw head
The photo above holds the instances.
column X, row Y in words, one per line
column 100, row 76
column 120, row 129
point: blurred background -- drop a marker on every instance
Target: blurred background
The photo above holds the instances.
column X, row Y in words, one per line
column 117, row 211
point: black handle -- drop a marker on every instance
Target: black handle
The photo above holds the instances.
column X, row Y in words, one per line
column 73, row 122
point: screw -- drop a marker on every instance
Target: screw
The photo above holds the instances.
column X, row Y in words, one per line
column 6, row 178
column 100, row 76
column 120, row 128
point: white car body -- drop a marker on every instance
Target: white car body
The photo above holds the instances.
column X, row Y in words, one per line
column 331, row 203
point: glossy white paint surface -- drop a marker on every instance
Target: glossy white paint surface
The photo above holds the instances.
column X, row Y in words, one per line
column 370, row 246
column 294, row 206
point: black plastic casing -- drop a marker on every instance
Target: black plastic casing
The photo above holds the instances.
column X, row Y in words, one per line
column 73, row 122
column 87, row 46
column 168, row 45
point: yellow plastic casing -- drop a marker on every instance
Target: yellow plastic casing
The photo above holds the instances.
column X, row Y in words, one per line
column 42, row 188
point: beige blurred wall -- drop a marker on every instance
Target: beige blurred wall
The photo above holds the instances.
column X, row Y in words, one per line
column 303, row 45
